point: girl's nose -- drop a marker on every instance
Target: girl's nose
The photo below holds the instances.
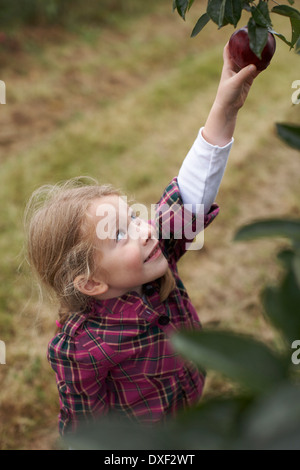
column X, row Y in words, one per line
column 141, row 230
column 146, row 232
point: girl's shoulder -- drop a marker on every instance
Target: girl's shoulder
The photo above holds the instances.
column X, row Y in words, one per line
column 79, row 342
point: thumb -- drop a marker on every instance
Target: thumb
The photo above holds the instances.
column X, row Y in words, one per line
column 247, row 74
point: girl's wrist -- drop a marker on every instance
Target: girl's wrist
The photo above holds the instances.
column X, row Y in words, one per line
column 226, row 112
column 220, row 125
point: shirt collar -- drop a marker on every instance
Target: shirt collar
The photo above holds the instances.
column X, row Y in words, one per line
column 116, row 304
column 114, row 307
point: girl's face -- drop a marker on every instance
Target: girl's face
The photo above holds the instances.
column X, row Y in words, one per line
column 129, row 254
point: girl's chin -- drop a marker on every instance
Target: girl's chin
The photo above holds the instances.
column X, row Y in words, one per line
column 163, row 271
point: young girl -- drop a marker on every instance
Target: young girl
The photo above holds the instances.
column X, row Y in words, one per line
column 119, row 291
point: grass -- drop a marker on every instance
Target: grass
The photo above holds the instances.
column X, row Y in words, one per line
column 123, row 103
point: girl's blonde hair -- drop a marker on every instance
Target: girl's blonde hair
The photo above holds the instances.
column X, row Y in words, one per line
column 60, row 244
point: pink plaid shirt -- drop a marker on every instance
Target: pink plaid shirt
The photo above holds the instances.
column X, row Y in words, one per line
column 117, row 355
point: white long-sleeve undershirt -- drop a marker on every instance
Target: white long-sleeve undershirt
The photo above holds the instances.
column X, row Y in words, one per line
column 202, row 170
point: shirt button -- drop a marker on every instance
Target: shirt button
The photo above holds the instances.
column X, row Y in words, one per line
column 149, row 289
column 163, row 320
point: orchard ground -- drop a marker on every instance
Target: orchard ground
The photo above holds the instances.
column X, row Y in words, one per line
column 123, row 104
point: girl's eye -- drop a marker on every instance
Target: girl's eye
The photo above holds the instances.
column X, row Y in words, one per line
column 121, row 234
column 133, row 215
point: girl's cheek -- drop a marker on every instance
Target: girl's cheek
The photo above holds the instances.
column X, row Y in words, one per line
column 134, row 259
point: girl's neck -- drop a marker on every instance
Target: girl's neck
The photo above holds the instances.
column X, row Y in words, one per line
column 113, row 293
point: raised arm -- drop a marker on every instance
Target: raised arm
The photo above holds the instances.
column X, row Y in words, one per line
column 231, row 95
column 202, row 170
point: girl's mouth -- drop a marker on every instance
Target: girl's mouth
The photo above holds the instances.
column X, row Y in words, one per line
column 155, row 253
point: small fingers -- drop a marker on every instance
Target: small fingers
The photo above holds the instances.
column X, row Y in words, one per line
column 250, row 71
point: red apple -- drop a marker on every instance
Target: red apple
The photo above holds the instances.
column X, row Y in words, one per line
column 242, row 55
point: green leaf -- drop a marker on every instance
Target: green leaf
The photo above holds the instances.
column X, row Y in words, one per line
column 213, row 11
column 286, row 228
column 291, row 260
column 260, row 14
column 295, row 25
column 246, row 5
column 258, row 37
column 233, row 11
column 282, row 306
column 294, row 16
column 296, row 267
column 118, row 433
column 242, row 359
column 203, row 20
column 211, row 425
column 286, row 10
column 272, row 422
column 286, row 257
column 223, row 12
column 280, row 36
column 181, row 6
column 289, row 133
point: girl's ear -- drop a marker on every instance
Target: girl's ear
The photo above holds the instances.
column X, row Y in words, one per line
column 90, row 287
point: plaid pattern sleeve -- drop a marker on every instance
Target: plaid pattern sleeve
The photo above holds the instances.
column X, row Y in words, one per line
column 176, row 226
column 80, row 375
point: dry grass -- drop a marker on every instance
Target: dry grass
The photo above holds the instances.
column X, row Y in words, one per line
column 124, row 104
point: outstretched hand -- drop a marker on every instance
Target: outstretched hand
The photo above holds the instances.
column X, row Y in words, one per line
column 234, row 84
column 233, row 90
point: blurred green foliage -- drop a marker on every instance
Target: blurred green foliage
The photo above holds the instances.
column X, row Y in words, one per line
column 65, row 12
